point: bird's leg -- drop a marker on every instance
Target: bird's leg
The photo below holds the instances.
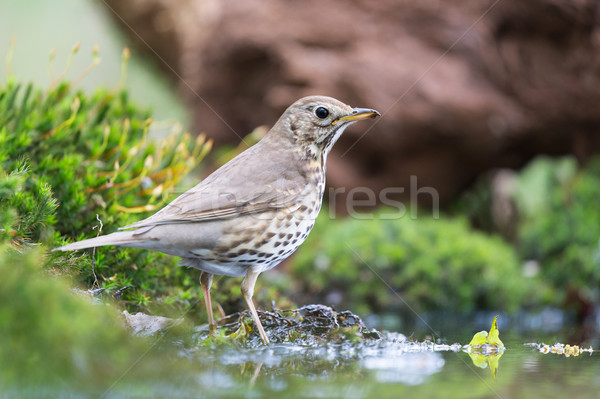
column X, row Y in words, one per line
column 206, row 282
column 247, row 292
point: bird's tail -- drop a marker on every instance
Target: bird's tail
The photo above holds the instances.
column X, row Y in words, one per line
column 122, row 238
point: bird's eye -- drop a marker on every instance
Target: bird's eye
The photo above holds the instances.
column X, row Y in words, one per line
column 321, row 112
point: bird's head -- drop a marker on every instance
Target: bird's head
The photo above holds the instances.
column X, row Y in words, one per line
column 315, row 123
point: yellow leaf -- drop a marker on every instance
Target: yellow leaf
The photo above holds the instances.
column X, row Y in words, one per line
column 494, row 335
column 479, row 339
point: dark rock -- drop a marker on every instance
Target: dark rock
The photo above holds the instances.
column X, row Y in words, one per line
column 310, row 324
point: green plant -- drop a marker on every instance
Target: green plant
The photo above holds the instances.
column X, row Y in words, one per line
column 560, row 227
column 69, row 160
column 382, row 264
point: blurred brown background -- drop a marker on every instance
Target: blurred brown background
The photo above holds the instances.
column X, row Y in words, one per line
column 464, row 86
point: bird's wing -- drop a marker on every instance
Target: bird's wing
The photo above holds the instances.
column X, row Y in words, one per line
column 224, row 194
column 204, row 206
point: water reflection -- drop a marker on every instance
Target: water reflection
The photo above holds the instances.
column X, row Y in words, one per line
column 483, row 360
column 409, row 369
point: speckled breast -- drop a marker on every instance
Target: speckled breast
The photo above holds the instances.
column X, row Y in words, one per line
column 265, row 239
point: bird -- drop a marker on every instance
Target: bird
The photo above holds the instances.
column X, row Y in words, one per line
column 253, row 212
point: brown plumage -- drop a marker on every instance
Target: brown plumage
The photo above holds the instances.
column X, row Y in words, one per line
column 254, row 211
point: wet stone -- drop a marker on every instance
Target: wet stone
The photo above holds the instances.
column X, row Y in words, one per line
column 308, row 325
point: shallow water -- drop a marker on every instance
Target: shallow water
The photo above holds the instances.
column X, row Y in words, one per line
column 389, row 367
column 330, row 372
column 392, row 366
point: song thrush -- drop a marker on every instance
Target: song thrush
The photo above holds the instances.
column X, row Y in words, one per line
column 254, row 211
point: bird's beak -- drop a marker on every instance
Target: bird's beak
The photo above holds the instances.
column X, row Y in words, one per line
column 357, row 114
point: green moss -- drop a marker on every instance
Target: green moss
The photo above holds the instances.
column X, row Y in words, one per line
column 48, row 332
column 423, row 264
column 69, row 160
column 56, row 342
